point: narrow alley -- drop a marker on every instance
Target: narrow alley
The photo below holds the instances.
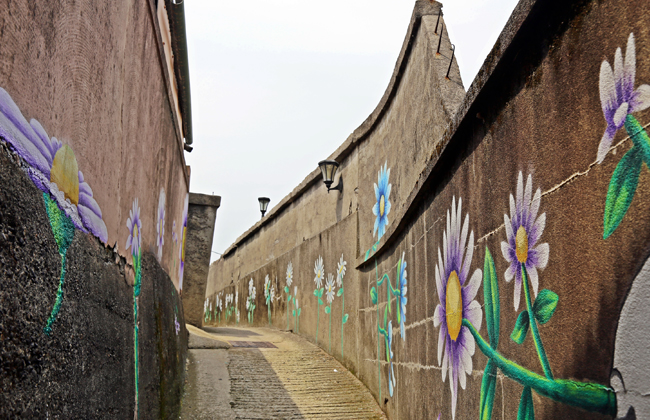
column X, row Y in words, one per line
column 263, row 373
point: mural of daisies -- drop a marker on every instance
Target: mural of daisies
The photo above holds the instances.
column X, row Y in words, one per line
column 160, row 224
column 523, row 230
column 250, row 301
column 401, row 297
column 319, row 271
column 382, row 205
column 456, row 293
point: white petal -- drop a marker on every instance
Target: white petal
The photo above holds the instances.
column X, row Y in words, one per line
column 510, row 273
column 618, row 66
column 542, row 252
column 474, row 283
column 528, row 192
column 444, row 243
column 607, row 86
column 620, row 114
column 474, row 314
column 505, row 250
column 508, row 225
column 453, row 236
column 517, row 294
column 461, row 372
column 438, row 316
column 469, row 255
column 534, row 204
column 439, row 274
column 534, row 279
column 605, row 143
column 630, row 60
column 513, row 207
column 540, row 225
column 445, row 363
column 463, row 235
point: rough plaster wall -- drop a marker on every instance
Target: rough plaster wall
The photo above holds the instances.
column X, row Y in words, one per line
column 90, row 74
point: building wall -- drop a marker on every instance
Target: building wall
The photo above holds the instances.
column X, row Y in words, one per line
column 433, row 316
column 94, row 205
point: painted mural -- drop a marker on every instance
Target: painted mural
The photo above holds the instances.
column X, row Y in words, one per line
column 319, row 271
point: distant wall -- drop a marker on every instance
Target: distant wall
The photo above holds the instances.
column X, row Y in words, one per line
column 505, row 280
column 94, row 200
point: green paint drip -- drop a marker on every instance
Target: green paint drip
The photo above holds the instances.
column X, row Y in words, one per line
column 63, row 230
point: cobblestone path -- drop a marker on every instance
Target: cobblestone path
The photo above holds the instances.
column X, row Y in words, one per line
column 269, row 374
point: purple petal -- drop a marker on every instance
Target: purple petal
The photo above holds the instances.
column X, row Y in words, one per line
column 607, row 87
column 93, row 222
column 474, row 314
column 536, row 230
column 539, row 255
column 469, row 291
column 510, row 272
column 629, row 69
column 528, row 192
column 619, row 75
column 468, row 258
column 87, row 200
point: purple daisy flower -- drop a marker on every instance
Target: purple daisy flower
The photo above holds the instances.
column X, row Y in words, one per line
column 52, row 167
column 134, row 224
column 523, row 230
column 402, row 299
column 617, row 95
column 391, row 372
column 160, row 225
column 456, row 294
column 181, row 250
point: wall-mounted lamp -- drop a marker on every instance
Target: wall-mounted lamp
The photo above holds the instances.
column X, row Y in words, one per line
column 264, row 204
column 328, row 169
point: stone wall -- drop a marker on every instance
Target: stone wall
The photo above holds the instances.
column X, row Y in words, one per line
column 532, row 198
column 93, row 199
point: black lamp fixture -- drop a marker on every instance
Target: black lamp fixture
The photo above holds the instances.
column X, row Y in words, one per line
column 264, row 204
column 328, row 169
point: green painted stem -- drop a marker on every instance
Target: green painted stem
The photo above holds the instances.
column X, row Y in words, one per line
column 330, row 333
column 288, row 316
column 639, row 137
column 342, row 315
column 533, row 326
column 59, row 298
column 317, row 318
column 588, row 396
column 378, row 327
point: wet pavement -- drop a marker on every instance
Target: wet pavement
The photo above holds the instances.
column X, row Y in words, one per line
column 269, row 374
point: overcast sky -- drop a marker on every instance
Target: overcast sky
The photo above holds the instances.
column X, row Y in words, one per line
column 278, row 85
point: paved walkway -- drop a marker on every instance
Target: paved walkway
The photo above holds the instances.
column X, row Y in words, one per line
column 268, row 374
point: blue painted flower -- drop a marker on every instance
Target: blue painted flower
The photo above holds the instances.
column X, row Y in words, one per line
column 391, row 372
column 456, row 291
column 52, row 167
column 134, row 224
column 402, row 297
column 382, row 206
column 617, row 94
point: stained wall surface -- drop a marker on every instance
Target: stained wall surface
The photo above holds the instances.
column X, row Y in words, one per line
column 94, row 200
column 518, row 224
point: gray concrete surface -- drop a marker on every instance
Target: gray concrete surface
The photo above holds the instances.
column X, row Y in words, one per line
column 291, row 379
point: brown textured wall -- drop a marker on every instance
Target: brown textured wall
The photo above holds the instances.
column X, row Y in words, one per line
column 534, row 109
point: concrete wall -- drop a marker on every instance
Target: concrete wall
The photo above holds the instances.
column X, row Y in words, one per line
column 542, row 164
column 94, row 203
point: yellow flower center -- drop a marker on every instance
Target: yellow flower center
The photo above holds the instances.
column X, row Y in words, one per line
column 454, row 306
column 160, row 227
column 382, row 205
column 183, row 244
column 135, row 233
column 521, row 242
column 65, row 173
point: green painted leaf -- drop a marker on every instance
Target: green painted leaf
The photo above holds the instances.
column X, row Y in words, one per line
column 293, row 313
column 321, row 291
column 488, row 388
column 373, row 295
column 299, row 310
column 526, row 409
column 316, row 292
column 286, row 289
column 521, row 328
column 320, row 301
column 340, row 292
column 328, row 309
column 639, row 137
column 491, row 296
column 621, row 190
column 345, row 318
column 544, row 306
column 289, row 298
